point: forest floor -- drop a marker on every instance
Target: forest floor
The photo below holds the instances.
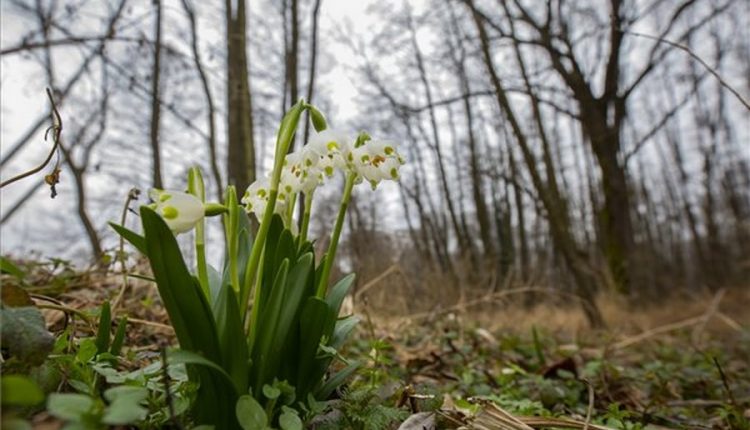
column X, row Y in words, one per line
column 483, row 364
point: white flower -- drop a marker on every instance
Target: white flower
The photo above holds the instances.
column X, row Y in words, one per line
column 333, row 144
column 376, row 161
column 300, row 172
column 256, row 196
column 181, row 211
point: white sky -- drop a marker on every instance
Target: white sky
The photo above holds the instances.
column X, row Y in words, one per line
column 23, row 101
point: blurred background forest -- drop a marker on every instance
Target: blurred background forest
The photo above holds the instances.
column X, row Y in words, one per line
column 574, row 147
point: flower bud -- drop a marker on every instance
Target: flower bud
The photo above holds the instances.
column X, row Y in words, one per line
column 181, row 211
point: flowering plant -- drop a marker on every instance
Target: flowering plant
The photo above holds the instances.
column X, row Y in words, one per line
column 260, row 336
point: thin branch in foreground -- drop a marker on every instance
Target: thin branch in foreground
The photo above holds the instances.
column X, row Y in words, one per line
column 54, row 177
column 695, row 56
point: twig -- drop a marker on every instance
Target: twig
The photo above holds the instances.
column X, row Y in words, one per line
column 659, row 330
column 132, row 195
column 374, row 281
column 56, row 129
column 696, row 58
column 488, row 298
column 710, row 312
column 725, row 383
column 700, row 319
column 150, row 323
column 590, row 408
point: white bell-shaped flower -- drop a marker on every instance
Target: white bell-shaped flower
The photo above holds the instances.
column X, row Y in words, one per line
column 256, row 196
column 376, row 161
column 334, row 144
column 181, row 211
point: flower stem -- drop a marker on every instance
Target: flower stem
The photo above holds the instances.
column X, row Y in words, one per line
column 198, row 189
column 306, row 217
column 283, row 140
column 331, row 254
column 231, row 229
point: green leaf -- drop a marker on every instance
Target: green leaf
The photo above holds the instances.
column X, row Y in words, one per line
column 119, row 338
column 186, row 304
column 283, row 351
column 325, row 391
column 263, row 365
column 87, row 350
column 250, row 413
column 135, row 239
column 7, row 266
column 24, row 334
column 289, row 420
column 19, row 390
column 215, row 282
column 338, row 292
column 315, row 320
column 271, row 392
column 342, row 331
column 125, row 405
column 270, row 265
column 105, row 326
column 232, row 340
column 181, row 356
column 69, row 407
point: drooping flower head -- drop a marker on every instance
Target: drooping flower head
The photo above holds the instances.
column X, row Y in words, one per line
column 376, row 160
column 301, row 172
column 334, row 147
column 181, row 211
column 256, row 196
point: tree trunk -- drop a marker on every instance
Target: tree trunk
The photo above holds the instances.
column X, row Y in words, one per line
column 561, row 235
column 156, row 178
column 241, row 148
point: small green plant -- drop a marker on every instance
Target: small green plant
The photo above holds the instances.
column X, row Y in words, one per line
column 260, row 336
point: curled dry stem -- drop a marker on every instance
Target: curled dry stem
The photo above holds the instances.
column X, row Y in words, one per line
column 54, row 177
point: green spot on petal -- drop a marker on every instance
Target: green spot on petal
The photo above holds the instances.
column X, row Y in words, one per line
column 164, row 197
column 170, row 212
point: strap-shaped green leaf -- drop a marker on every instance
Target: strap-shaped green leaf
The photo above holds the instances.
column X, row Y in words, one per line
column 216, row 397
column 103, row 332
column 232, row 339
column 119, row 338
column 182, row 356
column 134, row 238
column 186, row 305
column 338, row 292
column 280, row 349
column 315, row 320
column 269, row 266
column 265, row 331
column 325, row 391
column 343, row 329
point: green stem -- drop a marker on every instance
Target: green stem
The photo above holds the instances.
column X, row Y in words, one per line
column 290, row 211
column 283, row 140
column 331, row 254
column 198, row 189
column 251, row 328
column 306, row 217
column 232, row 220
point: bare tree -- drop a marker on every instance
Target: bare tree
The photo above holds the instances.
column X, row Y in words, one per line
column 241, row 148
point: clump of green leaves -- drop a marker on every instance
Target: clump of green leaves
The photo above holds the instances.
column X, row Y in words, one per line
column 270, row 316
